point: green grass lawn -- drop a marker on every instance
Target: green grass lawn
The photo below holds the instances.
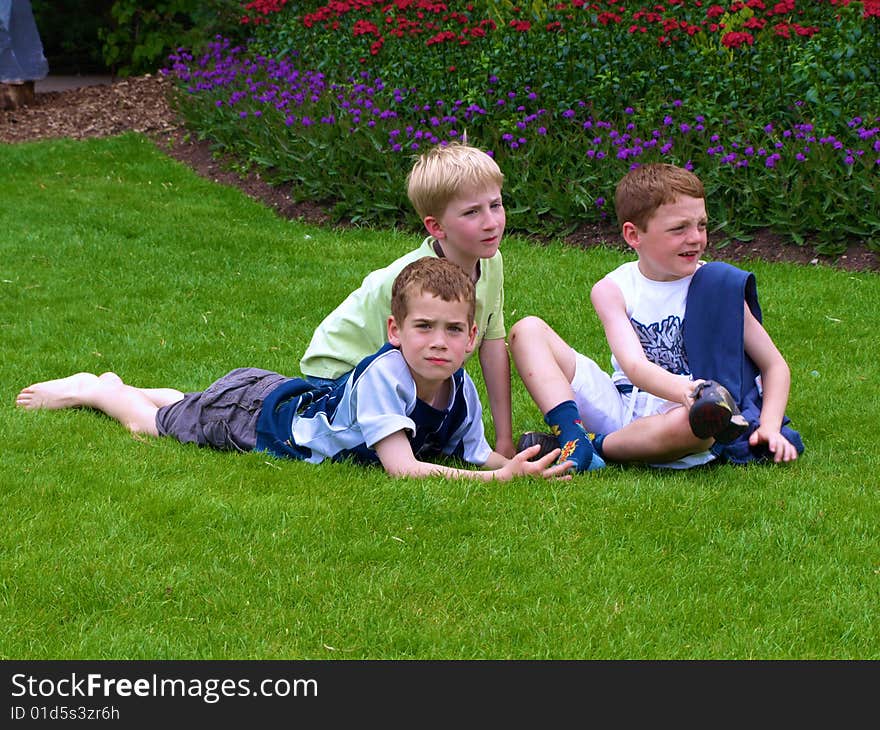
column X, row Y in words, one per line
column 115, row 257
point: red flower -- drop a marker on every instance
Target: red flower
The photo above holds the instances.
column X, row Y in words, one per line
column 266, row 6
column 606, row 18
column 783, row 8
column 781, row 29
column 365, row 27
column 441, row 37
column 755, row 23
column 736, row 39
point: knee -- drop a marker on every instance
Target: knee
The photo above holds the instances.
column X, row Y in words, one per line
column 528, row 329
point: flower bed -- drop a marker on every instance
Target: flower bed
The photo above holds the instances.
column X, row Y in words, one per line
column 774, row 106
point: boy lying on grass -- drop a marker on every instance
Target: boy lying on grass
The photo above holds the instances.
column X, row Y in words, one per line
column 406, row 403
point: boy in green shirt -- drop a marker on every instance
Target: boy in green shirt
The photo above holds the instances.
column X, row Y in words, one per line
column 456, row 191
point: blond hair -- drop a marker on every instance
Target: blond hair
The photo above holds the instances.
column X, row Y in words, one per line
column 645, row 188
column 439, row 277
column 445, row 171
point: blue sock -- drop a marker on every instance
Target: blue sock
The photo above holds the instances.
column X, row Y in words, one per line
column 597, row 441
column 565, row 423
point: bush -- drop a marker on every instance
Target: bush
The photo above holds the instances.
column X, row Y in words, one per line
column 143, row 32
column 775, row 108
column 128, row 37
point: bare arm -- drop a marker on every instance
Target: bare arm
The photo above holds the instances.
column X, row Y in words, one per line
column 776, row 382
column 495, row 364
column 608, row 302
column 396, row 455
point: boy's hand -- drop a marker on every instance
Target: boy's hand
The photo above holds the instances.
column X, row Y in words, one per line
column 544, row 467
column 781, row 448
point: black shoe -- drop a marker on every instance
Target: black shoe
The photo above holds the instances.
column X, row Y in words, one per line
column 715, row 414
column 547, row 441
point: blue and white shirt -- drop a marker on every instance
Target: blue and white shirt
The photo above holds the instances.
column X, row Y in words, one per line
column 378, row 399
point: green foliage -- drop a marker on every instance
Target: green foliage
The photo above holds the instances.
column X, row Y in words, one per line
column 117, row 258
column 143, row 33
column 777, row 113
column 70, row 36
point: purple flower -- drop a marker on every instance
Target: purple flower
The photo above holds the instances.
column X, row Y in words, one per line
column 600, row 201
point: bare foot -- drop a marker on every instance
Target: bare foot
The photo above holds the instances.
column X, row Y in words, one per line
column 54, row 394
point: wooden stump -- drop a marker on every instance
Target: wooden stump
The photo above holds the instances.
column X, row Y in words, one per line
column 13, row 96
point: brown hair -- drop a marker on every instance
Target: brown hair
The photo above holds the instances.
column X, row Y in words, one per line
column 439, row 277
column 444, row 171
column 645, row 188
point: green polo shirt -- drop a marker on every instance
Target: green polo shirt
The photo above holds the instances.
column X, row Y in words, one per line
column 358, row 327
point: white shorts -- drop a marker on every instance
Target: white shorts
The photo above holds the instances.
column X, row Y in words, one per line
column 604, row 409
